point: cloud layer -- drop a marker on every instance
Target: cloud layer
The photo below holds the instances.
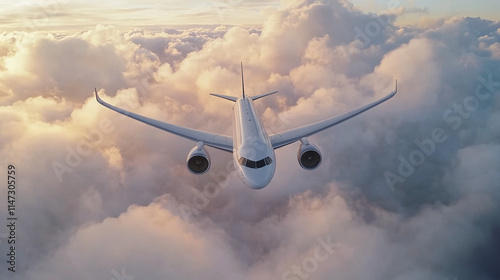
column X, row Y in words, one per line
column 406, row 191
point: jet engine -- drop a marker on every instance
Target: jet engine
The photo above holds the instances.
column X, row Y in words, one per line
column 198, row 160
column 309, row 156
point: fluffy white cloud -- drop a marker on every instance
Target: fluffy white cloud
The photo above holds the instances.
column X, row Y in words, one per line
column 102, row 196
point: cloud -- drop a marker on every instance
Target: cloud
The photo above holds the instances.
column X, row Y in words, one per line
column 160, row 234
column 405, row 191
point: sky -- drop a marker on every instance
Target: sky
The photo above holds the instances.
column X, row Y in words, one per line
column 418, row 9
column 406, row 191
column 64, row 15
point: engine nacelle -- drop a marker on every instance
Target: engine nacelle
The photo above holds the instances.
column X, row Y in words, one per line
column 198, row 160
column 309, row 156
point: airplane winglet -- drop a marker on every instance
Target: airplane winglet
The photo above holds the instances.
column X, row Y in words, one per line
column 395, row 89
column 97, row 96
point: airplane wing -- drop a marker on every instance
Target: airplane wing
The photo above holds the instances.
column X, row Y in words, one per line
column 287, row 137
column 218, row 141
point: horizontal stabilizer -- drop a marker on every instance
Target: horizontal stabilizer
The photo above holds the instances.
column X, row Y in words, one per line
column 262, row 95
column 232, row 98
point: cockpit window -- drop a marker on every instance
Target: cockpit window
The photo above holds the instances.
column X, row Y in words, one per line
column 268, row 160
column 255, row 164
column 250, row 164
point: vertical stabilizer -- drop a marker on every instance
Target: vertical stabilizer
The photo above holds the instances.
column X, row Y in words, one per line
column 242, row 82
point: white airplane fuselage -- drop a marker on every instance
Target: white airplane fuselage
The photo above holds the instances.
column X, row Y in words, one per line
column 252, row 148
column 253, row 154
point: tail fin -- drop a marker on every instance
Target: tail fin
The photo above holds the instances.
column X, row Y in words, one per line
column 243, row 87
column 232, row 98
column 242, row 82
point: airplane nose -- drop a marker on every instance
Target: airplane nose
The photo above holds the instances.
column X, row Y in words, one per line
column 257, row 180
column 256, row 185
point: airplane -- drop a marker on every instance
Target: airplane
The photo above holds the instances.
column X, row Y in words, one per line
column 251, row 146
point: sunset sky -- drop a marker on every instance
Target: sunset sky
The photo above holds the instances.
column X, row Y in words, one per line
column 55, row 15
column 406, row 191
